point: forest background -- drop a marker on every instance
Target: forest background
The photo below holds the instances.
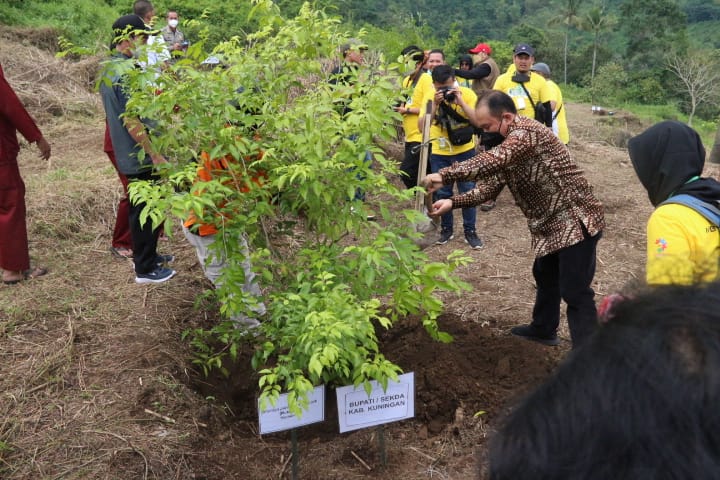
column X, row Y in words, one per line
column 657, row 58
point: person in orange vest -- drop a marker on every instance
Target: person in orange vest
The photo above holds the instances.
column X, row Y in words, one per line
column 203, row 234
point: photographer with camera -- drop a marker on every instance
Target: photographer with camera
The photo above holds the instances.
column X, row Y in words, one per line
column 453, row 141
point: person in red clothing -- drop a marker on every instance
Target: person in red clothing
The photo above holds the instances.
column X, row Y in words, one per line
column 14, row 254
column 121, row 241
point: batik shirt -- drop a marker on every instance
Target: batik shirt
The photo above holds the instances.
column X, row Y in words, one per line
column 547, row 185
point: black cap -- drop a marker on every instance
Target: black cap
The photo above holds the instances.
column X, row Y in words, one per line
column 129, row 25
column 524, row 48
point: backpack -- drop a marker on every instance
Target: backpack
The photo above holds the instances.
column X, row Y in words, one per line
column 543, row 114
column 708, row 210
column 459, row 129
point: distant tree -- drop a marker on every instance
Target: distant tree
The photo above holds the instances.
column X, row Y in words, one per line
column 596, row 21
column 652, row 27
column 699, row 76
column 570, row 18
column 525, row 33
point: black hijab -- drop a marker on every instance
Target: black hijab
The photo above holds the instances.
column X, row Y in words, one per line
column 669, row 158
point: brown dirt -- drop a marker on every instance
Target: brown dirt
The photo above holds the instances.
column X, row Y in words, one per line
column 97, row 383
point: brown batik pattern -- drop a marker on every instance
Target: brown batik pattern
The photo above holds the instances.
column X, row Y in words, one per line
column 547, row 185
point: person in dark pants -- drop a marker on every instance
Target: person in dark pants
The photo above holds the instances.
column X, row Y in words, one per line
column 564, row 216
column 129, row 136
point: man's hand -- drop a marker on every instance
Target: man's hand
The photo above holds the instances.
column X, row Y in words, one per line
column 158, row 159
column 433, row 182
column 441, row 207
column 44, row 147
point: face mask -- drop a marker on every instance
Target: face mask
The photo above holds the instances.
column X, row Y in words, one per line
column 173, row 23
column 492, row 139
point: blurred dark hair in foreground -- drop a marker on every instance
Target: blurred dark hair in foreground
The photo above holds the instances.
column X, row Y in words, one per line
column 640, row 400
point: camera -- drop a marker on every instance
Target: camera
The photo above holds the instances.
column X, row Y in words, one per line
column 448, row 94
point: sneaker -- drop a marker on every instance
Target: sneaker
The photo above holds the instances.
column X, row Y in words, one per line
column 370, row 217
column 163, row 260
column 528, row 332
column 159, row 275
column 445, row 236
column 473, row 240
column 487, row 206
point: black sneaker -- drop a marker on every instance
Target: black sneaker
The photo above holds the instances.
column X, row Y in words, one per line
column 445, row 236
column 159, row 275
column 473, row 240
column 528, row 332
column 162, row 260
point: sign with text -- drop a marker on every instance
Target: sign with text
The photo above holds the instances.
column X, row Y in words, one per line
column 279, row 417
column 358, row 410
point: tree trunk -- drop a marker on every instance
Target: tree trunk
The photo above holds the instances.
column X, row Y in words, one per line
column 715, row 152
column 567, row 34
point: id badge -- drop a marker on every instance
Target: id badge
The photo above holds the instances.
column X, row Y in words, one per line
column 520, row 103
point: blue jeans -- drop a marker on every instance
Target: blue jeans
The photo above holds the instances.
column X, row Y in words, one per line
column 469, row 214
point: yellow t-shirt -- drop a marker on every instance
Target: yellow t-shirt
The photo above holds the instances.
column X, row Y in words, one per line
column 440, row 143
column 560, row 123
column 537, row 86
column 410, row 120
column 682, row 247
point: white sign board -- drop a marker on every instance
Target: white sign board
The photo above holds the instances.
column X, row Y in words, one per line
column 278, row 417
column 356, row 410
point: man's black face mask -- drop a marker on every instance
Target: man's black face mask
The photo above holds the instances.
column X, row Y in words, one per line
column 491, row 139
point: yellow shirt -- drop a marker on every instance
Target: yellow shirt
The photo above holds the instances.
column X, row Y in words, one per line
column 440, row 143
column 560, row 123
column 537, row 86
column 682, row 247
column 410, row 120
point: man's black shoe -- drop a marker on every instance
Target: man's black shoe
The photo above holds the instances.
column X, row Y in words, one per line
column 529, row 333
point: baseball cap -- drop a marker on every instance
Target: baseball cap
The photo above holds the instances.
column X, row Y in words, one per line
column 352, row 44
column 541, row 67
column 414, row 52
column 130, row 23
column 524, row 48
column 481, row 47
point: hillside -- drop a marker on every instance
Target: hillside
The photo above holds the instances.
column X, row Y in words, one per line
column 97, row 382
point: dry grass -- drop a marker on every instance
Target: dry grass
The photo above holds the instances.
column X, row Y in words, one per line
column 51, row 88
column 93, row 374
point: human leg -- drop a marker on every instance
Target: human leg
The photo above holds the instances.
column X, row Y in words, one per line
column 577, row 270
column 438, row 162
column 410, row 164
column 14, row 254
column 121, row 233
column 546, row 311
column 210, row 262
column 144, row 237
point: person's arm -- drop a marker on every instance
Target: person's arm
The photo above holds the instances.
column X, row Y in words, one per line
column 476, row 73
column 137, row 131
column 467, row 105
column 672, row 257
column 13, row 110
column 486, row 190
